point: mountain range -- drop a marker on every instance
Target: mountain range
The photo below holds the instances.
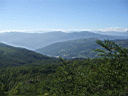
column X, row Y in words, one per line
column 35, row 41
column 113, row 33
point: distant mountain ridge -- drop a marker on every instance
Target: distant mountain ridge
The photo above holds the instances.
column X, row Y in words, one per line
column 38, row 40
column 113, row 33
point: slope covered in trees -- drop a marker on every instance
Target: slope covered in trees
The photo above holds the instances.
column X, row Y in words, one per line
column 76, row 48
column 13, row 56
column 93, row 77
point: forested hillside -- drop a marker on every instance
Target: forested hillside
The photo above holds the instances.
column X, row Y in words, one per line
column 81, row 48
column 14, row 56
column 106, row 76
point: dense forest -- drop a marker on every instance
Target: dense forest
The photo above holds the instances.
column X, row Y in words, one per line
column 45, row 76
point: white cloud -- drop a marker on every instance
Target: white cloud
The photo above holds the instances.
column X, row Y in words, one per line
column 117, row 29
column 44, row 30
column 2, row 31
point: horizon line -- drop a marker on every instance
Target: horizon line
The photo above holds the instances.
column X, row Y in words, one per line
column 116, row 29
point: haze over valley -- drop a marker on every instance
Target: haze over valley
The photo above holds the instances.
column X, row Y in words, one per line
column 38, row 40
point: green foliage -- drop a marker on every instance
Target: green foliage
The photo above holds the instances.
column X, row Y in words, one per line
column 2, row 90
column 15, row 90
column 113, row 50
column 65, row 81
column 106, row 76
column 113, row 73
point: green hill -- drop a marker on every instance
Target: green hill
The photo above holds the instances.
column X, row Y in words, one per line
column 13, row 56
column 75, row 48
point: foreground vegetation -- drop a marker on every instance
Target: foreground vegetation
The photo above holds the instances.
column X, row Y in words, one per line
column 106, row 76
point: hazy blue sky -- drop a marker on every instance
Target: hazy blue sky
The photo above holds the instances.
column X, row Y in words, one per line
column 64, row 15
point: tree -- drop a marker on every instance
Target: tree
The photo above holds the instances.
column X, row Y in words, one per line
column 113, row 72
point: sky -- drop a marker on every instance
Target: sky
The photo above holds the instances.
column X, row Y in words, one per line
column 63, row 15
